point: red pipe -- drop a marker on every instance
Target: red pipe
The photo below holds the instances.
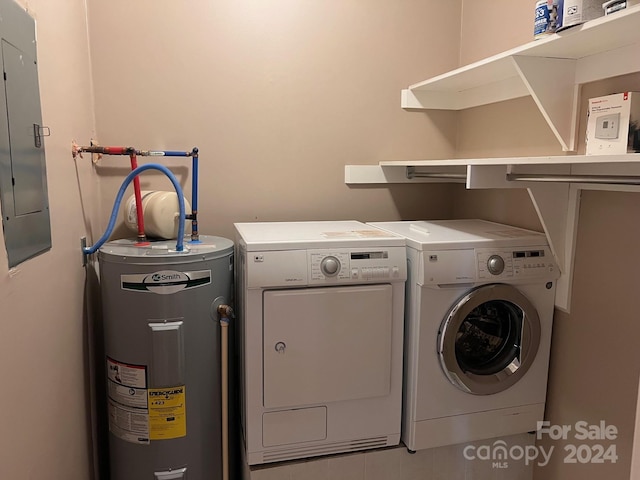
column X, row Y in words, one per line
column 142, row 238
column 115, row 150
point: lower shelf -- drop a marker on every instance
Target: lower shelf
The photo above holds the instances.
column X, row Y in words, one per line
column 614, row 170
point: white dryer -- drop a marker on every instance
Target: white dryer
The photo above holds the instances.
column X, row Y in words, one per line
column 320, row 317
column 480, row 303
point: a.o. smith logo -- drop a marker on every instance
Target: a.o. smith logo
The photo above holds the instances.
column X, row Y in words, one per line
column 165, row 282
column 162, row 277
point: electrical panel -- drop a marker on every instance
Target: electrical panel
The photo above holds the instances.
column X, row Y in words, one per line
column 23, row 181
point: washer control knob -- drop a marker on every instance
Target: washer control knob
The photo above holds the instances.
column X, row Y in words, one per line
column 495, row 264
column 330, row 266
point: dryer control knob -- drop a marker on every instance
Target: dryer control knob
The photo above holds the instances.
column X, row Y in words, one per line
column 330, row 266
column 495, row 264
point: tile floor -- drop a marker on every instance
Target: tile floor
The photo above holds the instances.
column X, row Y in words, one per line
column 444, row 463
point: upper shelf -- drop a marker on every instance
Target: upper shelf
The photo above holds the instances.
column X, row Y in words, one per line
column 550, row 70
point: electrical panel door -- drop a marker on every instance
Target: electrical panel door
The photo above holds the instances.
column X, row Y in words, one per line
column 23, row 181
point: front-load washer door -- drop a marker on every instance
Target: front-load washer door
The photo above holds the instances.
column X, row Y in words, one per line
column 489, row 339
column 326, row 344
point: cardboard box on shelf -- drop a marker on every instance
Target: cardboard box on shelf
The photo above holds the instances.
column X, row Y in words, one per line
column 613, row 124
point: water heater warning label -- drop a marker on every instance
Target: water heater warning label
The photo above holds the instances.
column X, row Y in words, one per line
column 130, row 397
column 167, row 413
column 128, row 409
column 125, row 374
column 138, row 414
column 129, row 424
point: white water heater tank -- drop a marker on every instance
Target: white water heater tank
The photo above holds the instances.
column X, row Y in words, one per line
column 160, row 211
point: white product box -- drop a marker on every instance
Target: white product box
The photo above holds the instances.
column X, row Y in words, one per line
column 613, row 123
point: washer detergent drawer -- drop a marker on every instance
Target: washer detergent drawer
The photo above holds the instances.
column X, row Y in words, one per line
column 326, row 344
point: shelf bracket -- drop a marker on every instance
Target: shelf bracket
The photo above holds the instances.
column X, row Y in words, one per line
column 551, row 83
column 558, row 207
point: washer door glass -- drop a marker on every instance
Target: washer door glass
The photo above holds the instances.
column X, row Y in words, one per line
column 489, row 339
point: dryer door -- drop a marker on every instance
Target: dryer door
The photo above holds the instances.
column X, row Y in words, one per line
column 489, row 339
column 327, row 344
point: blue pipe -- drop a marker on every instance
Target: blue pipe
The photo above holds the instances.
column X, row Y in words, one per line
column 194, row 192
column 168, row 153
column 116, row 206
column 194, row 183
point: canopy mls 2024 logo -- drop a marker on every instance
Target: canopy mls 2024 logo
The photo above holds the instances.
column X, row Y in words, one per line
column 165, row 282
column 578, row 446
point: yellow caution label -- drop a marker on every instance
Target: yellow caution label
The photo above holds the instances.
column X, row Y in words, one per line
column 167, row 413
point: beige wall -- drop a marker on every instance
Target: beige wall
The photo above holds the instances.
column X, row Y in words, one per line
column 491, row 28
column 279, row 97
column 491, row 131
column 279, row 100
column 43, row 432
column 510, row 128
column 594, row 362
column 586, row 381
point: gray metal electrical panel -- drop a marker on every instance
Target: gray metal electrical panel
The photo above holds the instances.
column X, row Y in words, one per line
column 23, row 180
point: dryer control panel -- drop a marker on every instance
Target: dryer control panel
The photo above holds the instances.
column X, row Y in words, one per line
column 335, row 266
column 357, row 266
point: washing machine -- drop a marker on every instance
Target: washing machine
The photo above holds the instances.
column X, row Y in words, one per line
column 480, row 303
column 320, row 321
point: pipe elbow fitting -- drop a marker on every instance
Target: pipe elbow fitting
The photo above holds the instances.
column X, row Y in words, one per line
column 225, row 312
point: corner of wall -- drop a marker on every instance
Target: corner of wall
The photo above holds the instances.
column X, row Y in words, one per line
column 462, row 12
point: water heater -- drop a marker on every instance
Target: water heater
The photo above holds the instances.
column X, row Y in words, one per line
column 162, row 345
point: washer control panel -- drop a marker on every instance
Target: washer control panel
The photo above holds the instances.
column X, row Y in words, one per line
column 536, row 261
column 494, row 264
column 521, row 262
column 357, row 265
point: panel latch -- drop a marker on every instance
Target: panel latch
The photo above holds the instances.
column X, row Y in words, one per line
column 38, row 133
